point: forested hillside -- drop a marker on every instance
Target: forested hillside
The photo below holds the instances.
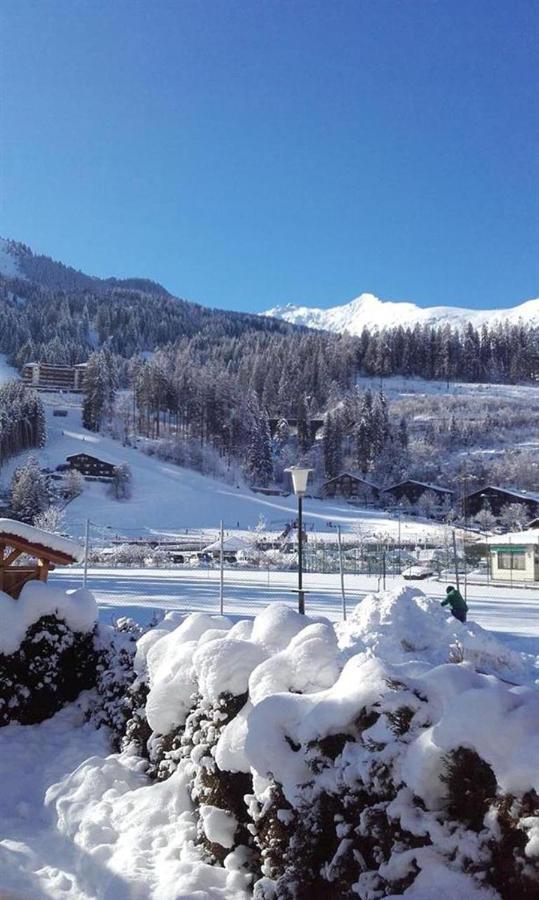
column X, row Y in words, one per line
column 201, row 386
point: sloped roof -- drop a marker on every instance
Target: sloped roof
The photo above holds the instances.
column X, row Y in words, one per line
column 520, row 495
column 233, row 542
column 38, row 538
column 515, row 537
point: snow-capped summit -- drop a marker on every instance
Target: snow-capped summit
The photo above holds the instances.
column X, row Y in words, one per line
column 368, row 311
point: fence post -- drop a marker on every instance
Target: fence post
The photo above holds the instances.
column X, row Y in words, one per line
column 86, row 550
column 455, row 558
column 221, row 567
column 341, row 570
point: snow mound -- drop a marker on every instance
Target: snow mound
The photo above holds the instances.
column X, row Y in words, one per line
column 134, row 829
column 500, row 724
column 404, row 625
column 78, row 610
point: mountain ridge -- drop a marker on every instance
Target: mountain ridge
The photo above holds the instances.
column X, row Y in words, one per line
column 17, row 260
column 369, row 311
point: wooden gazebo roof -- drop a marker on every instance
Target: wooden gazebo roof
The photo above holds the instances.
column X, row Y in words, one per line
column 16, row 539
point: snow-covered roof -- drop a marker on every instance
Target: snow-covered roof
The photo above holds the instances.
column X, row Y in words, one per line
column 423, row 484
column 233, row 542
column 522, row 495
column 40, row 538
column 515, row 537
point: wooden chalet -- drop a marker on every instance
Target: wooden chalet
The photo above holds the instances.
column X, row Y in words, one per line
column 42, row 552
column 495, row 498
column 91, row 465
column 351, row 487
column 412, row 491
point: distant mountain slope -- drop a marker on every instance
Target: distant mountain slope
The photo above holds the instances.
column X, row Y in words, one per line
column 52, row 312
column 18, row 261
column 368, row 311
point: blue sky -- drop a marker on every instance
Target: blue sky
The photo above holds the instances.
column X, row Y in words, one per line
column 247, row 154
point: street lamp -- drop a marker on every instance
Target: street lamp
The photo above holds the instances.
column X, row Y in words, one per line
column 300, row 477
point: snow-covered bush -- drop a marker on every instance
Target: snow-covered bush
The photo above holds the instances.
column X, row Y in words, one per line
column 113, row 704
column 48, row 653
column 321, row 761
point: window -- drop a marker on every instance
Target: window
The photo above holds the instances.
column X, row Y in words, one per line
column 512, row 560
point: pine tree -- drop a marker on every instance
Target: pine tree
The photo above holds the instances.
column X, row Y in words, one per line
column 259, row 464
column 95, row 393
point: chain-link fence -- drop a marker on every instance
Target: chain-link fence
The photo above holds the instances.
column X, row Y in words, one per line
column 202, row 570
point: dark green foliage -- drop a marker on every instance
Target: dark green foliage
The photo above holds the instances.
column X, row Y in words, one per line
column 511, row 872
column 51, row 667
column 471, row 787
column 115, row 675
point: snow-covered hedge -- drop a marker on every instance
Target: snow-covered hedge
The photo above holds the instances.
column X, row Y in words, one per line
column 291, row 758
column 48, row 653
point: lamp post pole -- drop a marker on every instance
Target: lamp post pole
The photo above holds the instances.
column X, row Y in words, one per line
column 301, row 595
column 300, row 476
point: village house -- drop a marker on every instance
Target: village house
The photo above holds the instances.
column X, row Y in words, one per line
column 351, row 487
column 495, row 498
column 91, row 466
column 412, row 491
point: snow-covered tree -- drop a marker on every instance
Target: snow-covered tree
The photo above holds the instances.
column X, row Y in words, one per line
column 259, row 464
column 121, row 484
column 485, row 518
column 51, row 519
column 514, row 516
column 29, row 491
column 74, row 483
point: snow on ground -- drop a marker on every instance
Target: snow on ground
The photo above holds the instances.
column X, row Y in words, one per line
column 36, row 861
column 398, row 386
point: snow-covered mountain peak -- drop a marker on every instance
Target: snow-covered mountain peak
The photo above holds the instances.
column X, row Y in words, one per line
column 368, row 311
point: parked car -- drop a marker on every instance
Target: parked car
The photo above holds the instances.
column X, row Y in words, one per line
column 416, row 573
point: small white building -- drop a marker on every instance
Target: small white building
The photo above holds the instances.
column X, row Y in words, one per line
column 515, row 556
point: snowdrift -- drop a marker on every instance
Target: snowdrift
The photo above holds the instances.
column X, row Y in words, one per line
column 288, row 758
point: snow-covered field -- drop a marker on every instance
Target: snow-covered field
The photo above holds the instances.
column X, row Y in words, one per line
column 398, row 386
column 512, row 613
